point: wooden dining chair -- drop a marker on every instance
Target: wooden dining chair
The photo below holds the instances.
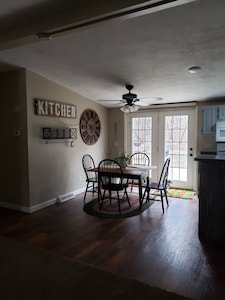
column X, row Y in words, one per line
column 141, row 159
column 161, row 185
column 91, row 177
column 111, row 180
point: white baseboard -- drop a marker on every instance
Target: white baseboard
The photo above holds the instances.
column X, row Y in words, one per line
column 31, row 209
column 14, row 206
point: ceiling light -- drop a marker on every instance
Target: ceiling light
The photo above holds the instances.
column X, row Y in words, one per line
column 129, row 108
column 194, row 69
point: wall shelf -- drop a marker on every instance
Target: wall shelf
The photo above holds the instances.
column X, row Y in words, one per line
column 59, row 133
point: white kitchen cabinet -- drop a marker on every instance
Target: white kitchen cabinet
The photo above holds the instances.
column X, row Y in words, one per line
column 209, row 118
column 210, row 115
column 221, row 112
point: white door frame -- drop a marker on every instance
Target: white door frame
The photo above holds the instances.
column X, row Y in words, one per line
column 158, row 160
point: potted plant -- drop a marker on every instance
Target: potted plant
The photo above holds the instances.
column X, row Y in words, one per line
column 123, row 159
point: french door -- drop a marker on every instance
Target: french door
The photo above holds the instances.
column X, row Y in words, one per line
column 166, row 133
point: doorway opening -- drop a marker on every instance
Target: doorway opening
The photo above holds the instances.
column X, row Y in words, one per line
column 166, row 133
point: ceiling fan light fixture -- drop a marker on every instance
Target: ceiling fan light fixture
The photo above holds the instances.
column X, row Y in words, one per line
column 129, row 108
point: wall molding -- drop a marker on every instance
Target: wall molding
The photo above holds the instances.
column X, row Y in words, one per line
column 34, row 208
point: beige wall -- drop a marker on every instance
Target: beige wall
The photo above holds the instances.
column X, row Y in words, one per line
column 116, row 132
column 36, row 173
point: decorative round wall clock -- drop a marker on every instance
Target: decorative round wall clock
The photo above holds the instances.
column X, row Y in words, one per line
column 90, row 127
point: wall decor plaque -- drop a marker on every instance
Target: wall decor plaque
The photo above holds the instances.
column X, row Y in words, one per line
column 90, row 127
column 54, row 109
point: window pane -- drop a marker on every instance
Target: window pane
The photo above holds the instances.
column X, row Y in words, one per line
column 142, row 135
column 176, row 147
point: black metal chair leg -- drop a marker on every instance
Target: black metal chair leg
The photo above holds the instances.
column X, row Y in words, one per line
column 110, row 197
column 118, row 199
column 143, row 196
column 127, row 197
column 148, row 195
column 101, row 199
column 132, row 184
column 165, row 193
column 161, row 194
column 85, row 192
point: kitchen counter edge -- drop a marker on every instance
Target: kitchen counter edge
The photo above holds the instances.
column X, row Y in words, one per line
column 205, row 157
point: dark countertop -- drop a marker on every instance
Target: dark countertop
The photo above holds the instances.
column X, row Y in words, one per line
column 208, row 152
column 209, row 157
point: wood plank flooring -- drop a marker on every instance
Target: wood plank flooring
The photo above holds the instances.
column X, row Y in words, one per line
column 159, row 249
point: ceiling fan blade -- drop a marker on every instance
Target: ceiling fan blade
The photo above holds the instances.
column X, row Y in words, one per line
column 144, row 104
column 111, row 101
column 102, row 100
column 151, row 98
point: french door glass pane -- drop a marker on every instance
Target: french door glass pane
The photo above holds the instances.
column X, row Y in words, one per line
column 142, row 135
column 176, row 146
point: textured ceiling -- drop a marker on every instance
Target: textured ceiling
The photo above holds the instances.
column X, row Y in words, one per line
column 151, row 50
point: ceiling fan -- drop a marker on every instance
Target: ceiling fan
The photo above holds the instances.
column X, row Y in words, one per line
column 129, row 99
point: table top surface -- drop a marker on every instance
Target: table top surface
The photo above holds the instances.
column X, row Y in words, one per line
column 141, row 167
column 117, row 170
column 129, row 170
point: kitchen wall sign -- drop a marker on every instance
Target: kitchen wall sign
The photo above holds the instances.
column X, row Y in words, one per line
column 54, row 109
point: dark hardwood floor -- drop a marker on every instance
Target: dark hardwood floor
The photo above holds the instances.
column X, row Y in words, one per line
column 161, row 250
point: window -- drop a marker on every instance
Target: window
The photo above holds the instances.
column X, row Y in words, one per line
column 142, row 135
